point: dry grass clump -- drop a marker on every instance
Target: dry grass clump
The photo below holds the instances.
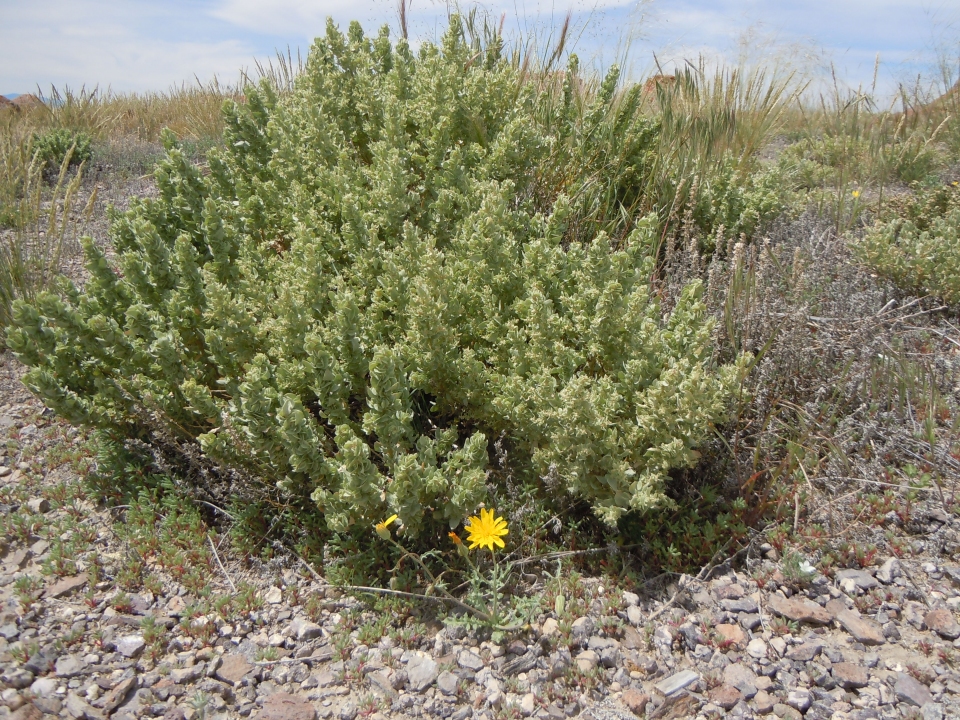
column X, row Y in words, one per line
column 852, row 410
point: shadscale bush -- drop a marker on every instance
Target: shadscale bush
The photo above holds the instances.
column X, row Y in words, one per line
column 375, row 280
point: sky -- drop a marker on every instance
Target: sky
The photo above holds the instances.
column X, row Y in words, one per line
column 152, row 45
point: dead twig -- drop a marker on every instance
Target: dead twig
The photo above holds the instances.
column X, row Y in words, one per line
column 222, row 568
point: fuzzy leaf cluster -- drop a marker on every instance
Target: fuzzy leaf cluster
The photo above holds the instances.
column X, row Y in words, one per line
column 380, row 274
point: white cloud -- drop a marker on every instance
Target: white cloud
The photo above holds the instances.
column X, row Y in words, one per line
column 124, row 46
column 299, row 18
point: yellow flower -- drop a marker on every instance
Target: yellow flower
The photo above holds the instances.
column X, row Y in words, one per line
column 955, row 183
column 381, row 527
column 486, row 531
column 856, row 193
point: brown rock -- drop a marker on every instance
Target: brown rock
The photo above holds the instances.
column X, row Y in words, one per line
column 284, row 706
column 863, row 630
column 805, row 652
column 635, row 701
column 18, row 559
column 233, row 668
column 725, row 696
column 117, row 695
column 729, row 592
column 835, row 606
column 632, row 639
column 6, row 104
column 942, row 623
column 764, row 702
column 645, row 664
column 66, row 585
column 850, row 675
column 742, row 678
column 27, row 712
column 799, row 610
column 167, row 688
column 732, row 634
column 677, row 707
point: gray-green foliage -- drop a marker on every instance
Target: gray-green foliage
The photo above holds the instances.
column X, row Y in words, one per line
column 377, row 279
column 918, row 249
column 51, row 148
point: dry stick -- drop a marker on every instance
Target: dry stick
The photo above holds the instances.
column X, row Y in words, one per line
column 397, row 593
column 924, row 312
column 280, row 660
column 934, row 330
column 760, row 611
column 222, row 568
column 217, row 508
column 573, row 553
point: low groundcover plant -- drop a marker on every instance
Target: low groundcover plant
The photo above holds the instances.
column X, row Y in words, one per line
column 378, row 276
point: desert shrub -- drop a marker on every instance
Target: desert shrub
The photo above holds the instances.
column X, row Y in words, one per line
column 743, row 205
column 50, row 148
column 919, row 248
column 381, row 274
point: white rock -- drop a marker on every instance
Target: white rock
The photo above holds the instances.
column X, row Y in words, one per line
column 528, row 703
column 757, row 648
column 550, row 627
column 470, row 660
column 12, row 699
column 68, row 666
column 799, row 699
column 631, row 598
column 779, row 645
column 677, row 682
column 44, row 686
column 273, row 596
column 634, row 615
column 889, row 571
column 587, row 660
column 421, row 672
column 130, row 645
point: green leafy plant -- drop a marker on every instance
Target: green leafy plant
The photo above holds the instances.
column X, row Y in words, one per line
column 52, row 147
column 920, row 250
column 383, row 272
column 27, row 589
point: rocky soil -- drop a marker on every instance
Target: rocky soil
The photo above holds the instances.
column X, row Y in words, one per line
column 760, row 640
